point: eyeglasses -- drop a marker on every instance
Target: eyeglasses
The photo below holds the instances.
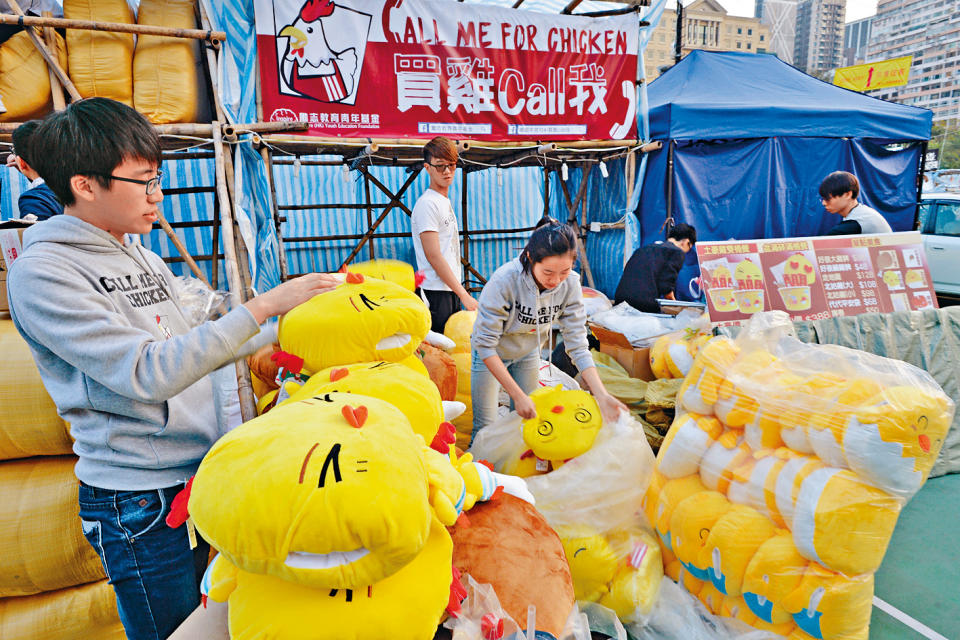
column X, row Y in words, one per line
column 152, row 184
column 443, row 168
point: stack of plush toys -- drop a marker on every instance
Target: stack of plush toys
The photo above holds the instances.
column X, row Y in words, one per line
column 589, row 480
column 341, row 512
column 781, row 479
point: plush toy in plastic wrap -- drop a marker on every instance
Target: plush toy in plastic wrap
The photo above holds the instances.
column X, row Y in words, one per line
column 395, row 271
column 411, row 392
column 509, row 545
column 781, row 484
column 336, row 529
column 595, row 504
column 672, row 354
column 361, row 320
column 565, row 427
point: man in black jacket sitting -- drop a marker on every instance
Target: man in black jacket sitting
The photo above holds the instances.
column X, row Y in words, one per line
column 651, row 272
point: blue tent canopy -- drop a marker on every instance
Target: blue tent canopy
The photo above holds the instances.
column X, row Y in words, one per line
column 747, row 141
column 716, row 95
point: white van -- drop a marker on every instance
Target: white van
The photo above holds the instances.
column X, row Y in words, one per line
column 940, row 226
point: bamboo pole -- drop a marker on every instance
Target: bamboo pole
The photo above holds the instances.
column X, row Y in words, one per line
column 263, row 127
column 267, row 156
column 226, row 223
column 56, row 89
column 416, row 143
column 167, row 229
column 42, row 48
column 572, row 206
column 116, row 27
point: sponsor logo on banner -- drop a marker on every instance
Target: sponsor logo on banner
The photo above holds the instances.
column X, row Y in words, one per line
column 394, row 68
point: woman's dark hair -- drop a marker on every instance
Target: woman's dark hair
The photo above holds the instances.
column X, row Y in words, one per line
column 90, row 138
column 551, row 238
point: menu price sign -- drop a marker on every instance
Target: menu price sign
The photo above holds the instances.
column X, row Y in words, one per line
column 815, row 278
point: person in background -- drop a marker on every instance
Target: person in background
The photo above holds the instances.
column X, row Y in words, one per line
column 839, row 192
column 120, row 359
column 38, row 199
column 517, row 309
column 651, row 272
column 436, row 237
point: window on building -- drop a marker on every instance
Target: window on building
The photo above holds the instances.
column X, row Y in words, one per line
column 761, row 37
column 738, row 45
column 749, row 32
column 749, row 45
column 739, row 30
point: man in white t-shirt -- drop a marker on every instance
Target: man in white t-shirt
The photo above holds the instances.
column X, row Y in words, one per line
column 436, row 237
column 839, row 192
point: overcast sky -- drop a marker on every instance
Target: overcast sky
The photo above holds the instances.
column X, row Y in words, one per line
column 856, row 9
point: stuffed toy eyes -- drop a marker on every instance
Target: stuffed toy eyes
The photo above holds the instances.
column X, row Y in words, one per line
column 583, row 416
column 545, row 428
column 331, row 464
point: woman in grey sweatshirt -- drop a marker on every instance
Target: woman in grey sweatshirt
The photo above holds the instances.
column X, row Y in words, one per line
column 518, row 307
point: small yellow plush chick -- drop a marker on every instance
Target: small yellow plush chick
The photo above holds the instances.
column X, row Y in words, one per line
column 592, row 560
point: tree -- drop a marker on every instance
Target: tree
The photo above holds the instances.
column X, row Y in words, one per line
column 946, row 137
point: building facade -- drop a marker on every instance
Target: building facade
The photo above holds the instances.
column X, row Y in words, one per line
column 706, row 25
column 780, row 16
column 818, row 45
column 856, row 36
column 929, row 30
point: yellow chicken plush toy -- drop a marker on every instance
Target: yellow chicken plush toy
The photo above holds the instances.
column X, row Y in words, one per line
column 701, row 386
column 411, row 392
column 395, row 271
column 565, row 427
column 361, row 320
column 329, row 515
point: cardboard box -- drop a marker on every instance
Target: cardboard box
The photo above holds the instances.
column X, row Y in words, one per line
column 636, row 360
column 11, row 246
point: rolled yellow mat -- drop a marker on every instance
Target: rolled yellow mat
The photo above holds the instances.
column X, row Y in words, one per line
column 24, row 82
column 29, row 424
column 165, row 68
column 42, row 547
column 101, row 63
column 76, row 613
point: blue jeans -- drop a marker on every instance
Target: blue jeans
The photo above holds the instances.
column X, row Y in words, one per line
column 154, row 573
column 485, row 390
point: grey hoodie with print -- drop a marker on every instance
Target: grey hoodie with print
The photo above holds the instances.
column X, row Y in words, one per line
column 514, row 317
column 117, row 355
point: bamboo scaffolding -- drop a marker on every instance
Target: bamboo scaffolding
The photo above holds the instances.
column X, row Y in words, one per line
column 572, row 206
column 181, row 249
column 51, row 58
column 117, row 27
column 56, row 89
column 474, row 145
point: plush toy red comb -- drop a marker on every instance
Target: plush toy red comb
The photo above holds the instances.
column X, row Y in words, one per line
column 457, row 594
column 354, row 278
column 356, row 417
column 290, row 362
column 178, row 508
column 338, row 373
column 446, row 436
column 491, row 627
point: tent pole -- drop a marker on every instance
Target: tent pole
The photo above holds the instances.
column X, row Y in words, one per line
column 572, row 206
column 923, row 166
column 465, row 230
column 366, row 193
column 669, row 185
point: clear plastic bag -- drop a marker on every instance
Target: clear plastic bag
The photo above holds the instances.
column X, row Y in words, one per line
column 781, row 479
column 198, row 301
column 482, row 617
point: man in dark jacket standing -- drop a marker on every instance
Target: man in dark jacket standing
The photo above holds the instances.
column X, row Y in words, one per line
column 651, row 272
column 39, row 199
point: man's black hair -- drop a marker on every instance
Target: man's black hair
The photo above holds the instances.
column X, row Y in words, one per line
column 91, row 138
column 22, row 137
column 683, row 231
column 551, row 239
column 838, row 183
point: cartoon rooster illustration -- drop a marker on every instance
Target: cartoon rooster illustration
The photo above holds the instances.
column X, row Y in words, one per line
column 310, row 66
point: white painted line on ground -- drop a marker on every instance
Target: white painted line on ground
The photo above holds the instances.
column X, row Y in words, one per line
column 914, row 624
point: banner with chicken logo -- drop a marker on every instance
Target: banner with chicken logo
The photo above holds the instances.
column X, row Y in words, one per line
column 420, row 68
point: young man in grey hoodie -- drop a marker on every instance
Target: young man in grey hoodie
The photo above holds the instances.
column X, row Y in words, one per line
column 119, row 358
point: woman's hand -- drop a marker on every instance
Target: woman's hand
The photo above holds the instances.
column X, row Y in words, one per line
column 610, row 407
column 524, row 406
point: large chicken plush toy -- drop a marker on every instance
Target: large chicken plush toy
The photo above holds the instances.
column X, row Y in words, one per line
column 330, row 515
